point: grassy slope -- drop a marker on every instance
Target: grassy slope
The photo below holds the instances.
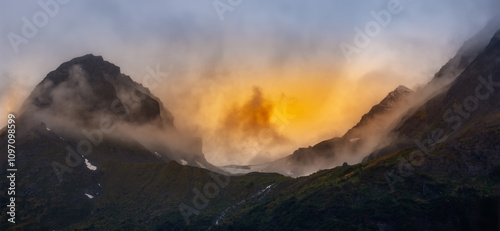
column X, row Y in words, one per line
column 359, row 198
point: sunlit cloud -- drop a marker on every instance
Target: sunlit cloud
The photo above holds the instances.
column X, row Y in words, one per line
column 263, row 52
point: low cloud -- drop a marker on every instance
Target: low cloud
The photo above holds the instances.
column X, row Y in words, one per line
column 278, row 42
column 248, row 130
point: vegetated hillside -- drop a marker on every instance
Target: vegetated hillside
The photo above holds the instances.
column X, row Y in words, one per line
column 127, row 188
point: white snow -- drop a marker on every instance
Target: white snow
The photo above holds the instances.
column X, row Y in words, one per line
column 354, row 139
column 157, row 154
column 90, row 166
column 223, row 214
column 89, row 196
column 201, row 165
column 183, row 162
column 48, row 129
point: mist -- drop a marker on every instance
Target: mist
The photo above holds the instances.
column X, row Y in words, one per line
column 273, row 67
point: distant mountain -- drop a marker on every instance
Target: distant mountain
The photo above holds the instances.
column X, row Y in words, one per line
column 357, row 142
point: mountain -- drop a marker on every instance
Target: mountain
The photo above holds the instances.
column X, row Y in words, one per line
column 441, row 82
column 444, row 176
column 359, row 141
column 88, row 92
column 469, row 103
column 84, row 86
column 81, row 119
column 467, row 53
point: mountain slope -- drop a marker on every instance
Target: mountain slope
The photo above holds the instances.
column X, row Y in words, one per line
column 134, row 191
column 87, row 85
column 80, row 121
column 351, row 147
column 467, row 53
column 450, row 182
column 88, row 98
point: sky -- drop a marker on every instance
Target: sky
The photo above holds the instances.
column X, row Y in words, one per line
column 254, row 79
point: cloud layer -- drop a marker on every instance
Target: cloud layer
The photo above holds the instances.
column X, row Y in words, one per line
column 282, row 47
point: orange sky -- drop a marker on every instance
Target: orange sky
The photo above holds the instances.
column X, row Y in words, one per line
column 266, row 115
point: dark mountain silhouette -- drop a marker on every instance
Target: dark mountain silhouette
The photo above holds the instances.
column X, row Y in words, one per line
column 85, row 86
column 87, row 92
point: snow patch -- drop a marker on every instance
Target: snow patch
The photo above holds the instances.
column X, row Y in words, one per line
column 183, row 162
column 156, row 153
column 90, row 166
column 89, row 196
column 354, row 139
column 199, row 164
column 48, row 129
column 259, row 195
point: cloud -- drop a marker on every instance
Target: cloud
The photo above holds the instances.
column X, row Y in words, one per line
column 260, row 43
column 251, row 117
column 248, row 130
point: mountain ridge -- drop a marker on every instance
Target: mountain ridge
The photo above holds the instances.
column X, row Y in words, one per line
column 323, row 155
column 96, row 85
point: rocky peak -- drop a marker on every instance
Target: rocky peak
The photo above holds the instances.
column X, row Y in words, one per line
column 88, row 86
column 468, row 52
column 389, row 103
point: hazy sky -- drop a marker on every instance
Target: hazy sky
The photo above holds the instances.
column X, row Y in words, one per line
column 282, row 59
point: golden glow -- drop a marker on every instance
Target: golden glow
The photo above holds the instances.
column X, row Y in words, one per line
column 10, row 102
column 299, row 107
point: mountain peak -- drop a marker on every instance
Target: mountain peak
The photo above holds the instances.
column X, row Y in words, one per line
column 468, row 52
column 387, row 104
column 395, row 95
column 402, row 89
column 95, row 67
column 87, row 86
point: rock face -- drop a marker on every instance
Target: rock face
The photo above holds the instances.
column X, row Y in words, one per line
column 467, row 53
column 389, row 104
column 87, row 86
column 462, row 121
column 65, row 155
